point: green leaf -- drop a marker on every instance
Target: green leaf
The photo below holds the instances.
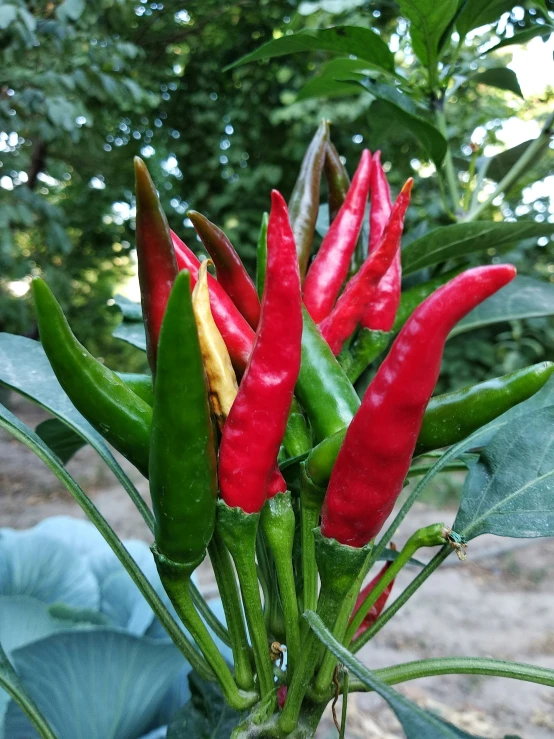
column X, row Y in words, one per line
column 501, row 77
column 477, row 13
column 361, row 42
column 330, row 82
column 500, row 164
column 205, row 716
column 405, row 113
column 72, row 9
column 62, row 440
column 509, row 491
column 524, row 297
column 460, row 239
column 428, row 21
column 25, row 368
column 522, row 37
column 416, row 722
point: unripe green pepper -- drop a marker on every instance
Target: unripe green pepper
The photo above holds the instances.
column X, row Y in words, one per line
column 104, row 399
column 141, row 385
column 183, row 481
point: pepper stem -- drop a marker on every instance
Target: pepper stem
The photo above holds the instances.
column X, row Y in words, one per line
column 311, row 500
column 176, row 581
column 278, row 524
column 430, row 536
column 238, row 531
column 228, row 590
column 339, row 566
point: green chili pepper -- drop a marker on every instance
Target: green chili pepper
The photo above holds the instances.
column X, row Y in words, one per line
column 183, row 481
column 337, row 179
column 261, row 256
column 322, row 387
column 411, row 298
column 141, row 385
column 366, row 347
column 115, row 411
column 304, row 201
column 297, row 439
column 451, row 417
column 448, row 418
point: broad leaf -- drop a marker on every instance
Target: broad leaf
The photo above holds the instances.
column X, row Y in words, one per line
column 428, row 21
column 330, row 81
column 522, row 37
column 121, row 680
column 524, row 297
column 130, row 310
column 132, row 332
column 205, row 716
column 510, row 491
column 406, row 114
column 24, row 620
column 501, row 77
column 460, row 239
column 344, row 40
column 62, row 440
column 25, row 368
column 49, row 571
column 476, row 13
column 416, row 722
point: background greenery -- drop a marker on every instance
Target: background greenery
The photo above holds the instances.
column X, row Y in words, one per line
column 85, row 86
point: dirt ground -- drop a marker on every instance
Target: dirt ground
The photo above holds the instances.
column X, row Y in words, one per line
column 500, row 603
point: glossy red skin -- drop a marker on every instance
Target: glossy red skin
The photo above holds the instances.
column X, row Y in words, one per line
column 276, row 483
column 379, row 605
column 329, row 269
column 258, row 418
column 381, row 310
column 157, row 267
column 375, row 457
column 351, row 306
column 237, row 334
column 231, row 275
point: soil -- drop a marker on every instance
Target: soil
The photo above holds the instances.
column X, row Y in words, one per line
column 499, row 603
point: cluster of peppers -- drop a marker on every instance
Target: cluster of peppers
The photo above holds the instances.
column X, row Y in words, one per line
column 252, row 383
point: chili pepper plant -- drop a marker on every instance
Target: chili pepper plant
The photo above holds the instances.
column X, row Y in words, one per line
column 266, row 453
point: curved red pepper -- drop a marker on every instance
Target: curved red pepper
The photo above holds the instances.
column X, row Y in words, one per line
column 347, row 313
column 231, row 275
column 236, row 333
column 379, row 605
column 157, row 267
column 375, row 457
column 256, row 424
column 383, row 306
column 330, row 266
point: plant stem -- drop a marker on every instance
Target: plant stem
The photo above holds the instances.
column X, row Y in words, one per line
column 459, row 666
column 518, row 169
column 386, row 616
column 238, row 531
column 208, row 615
column 278, row 525
column 428, row 536
column 311, row 500
column 471, row 174
column 176, row 585
column 448, row 162
column 228, row 591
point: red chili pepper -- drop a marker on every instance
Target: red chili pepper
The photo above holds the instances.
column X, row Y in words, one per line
column 231, row 275
column 379, row 605
column 282, row 695
column 381, row 310
column 347, row 313
column 375, row 457
column 157, row 267
column 330, row 266
column 236, row 333
column 276, row 483
column 258, row 418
